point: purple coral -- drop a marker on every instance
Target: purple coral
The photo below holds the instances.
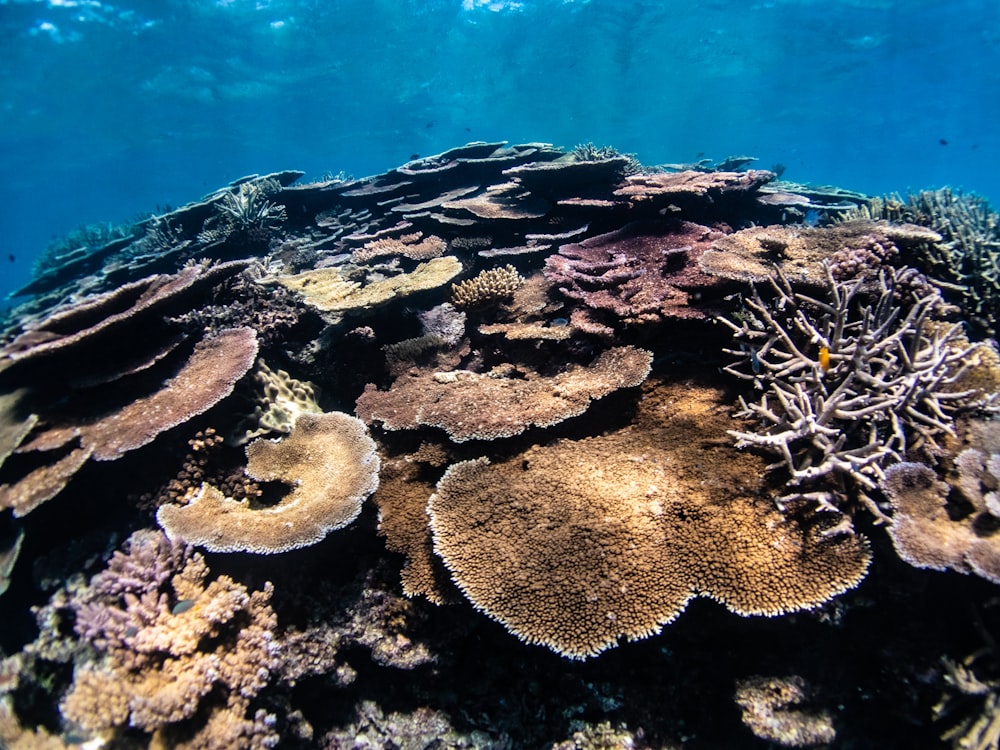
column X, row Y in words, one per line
column 641, row 273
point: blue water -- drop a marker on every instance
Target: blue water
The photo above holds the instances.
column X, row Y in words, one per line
column 108, row 110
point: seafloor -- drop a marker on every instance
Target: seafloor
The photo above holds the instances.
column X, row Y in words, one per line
column 508, row 447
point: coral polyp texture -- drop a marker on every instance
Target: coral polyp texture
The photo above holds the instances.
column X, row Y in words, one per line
column 580, row 543
column 591, row 403
column 169, row 642
column 328, row 462
column 502, row 402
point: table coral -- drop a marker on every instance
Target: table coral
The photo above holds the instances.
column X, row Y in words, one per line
column 928, row 531
column 577, row 544
column 642, row 273
column 327, row 289
column 330, row 463
column 501, row 403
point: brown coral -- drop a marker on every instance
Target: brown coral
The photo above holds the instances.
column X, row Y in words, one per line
column 927, row 535
column 501, row 403
column 330, row 462
column 750, row 255
column 780, row 710
column 579, row 543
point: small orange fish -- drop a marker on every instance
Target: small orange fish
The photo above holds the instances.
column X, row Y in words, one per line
column 824, row 358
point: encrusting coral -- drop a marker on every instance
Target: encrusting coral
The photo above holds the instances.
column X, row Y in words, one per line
column 779, row 710
column 330, row 463
column 169, row 642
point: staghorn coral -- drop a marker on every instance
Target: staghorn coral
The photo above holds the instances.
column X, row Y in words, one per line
column 885, row 380
column 589, row 152
column 966, row 257
column 779, row 710
column 327, row 459
column 970, row 702
column 576, row 544
column 503, row 402
column 486, row 288
column 170, row 644
column 244, row 214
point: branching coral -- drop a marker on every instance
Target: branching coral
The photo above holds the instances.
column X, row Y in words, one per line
column 487, row 288
column 167, row 637
column 967, row 257
column 245, row 213
column 847, row 383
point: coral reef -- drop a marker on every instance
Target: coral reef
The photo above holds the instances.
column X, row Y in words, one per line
column 329, row 462
column 503, row 402
column 777, row 709
column 168, row 643
column 551, row 443
column 847, row 383
column 599, row 539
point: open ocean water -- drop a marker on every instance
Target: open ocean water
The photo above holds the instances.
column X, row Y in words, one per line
column 497, row 374
column 111, row 109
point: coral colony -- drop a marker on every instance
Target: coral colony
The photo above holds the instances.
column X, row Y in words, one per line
column 353, row 463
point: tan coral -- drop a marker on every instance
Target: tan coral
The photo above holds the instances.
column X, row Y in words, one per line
column 328, row 290
column 15, row 424
column 750, row 255
column 413, row 246
column 282, row 399
column 330, row 462
column 926, row 535
column 43, row 483
column 160, row 663
column 403, row 522
column 487, row 288
column 503, row 402
column 576, row 544
column 206, row 378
